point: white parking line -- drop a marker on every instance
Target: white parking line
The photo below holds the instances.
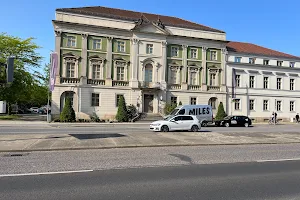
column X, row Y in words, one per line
column 279, row 160
column 45, row 173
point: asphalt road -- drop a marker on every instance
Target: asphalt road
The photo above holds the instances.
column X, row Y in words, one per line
column 270, row 180
column 136, row 128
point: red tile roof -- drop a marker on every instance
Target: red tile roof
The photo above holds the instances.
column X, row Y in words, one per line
column 248, row 48
column 135, row 16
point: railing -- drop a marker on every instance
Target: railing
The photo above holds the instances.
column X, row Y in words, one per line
column 213, row 88
column 145, row 84
column 95, row 82
column 194, row 87
column 120, row 83
column 175, row 87
column 69, row 80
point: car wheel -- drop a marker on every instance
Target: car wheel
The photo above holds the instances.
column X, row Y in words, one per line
column 227, row 124
column 164, row 128
column 246, row 125
column 195, row 128
column 204, row 124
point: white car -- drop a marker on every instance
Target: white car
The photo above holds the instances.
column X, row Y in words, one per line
column 178, row 122
column 34, row 109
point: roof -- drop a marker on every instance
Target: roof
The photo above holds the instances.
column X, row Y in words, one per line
column 128, row 15
column 248, row 48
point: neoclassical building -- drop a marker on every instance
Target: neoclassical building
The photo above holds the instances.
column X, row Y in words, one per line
column 261, row 81
column 149, row 59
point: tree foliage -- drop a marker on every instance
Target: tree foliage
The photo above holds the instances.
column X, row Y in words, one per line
column 169, row 108
column 25, row 89
column 122, row 114
column 180, row 103
column 68, row 113
column 221, row 112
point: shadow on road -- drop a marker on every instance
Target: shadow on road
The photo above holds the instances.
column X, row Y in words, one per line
column 183, row 158
column 37, row 138
column 96, row 136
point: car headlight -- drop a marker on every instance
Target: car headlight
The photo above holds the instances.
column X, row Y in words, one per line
column 155, row 124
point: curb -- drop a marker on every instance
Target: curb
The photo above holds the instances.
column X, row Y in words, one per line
column 145, row 146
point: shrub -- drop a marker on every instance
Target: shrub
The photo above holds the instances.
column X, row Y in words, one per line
column 180, row 103
column 122, row 115
column 68, row 113
column 131, row 112
column 56, row 120
column 94, row 117
column 221, row 112
column 169, row 108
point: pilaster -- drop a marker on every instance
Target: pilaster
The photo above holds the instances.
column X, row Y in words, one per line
column 223, row 67
column 109, row 57
column 204, row 68
column 84, row 56
column 57, row 50
column 184, row 63
column 164, row 63
column 134, row 62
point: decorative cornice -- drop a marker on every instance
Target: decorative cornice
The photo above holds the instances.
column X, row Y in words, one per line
column 85, row 35
column 204, row 48
column 58, row 33
column 135, row 41
column 184, row 46
column 110, row 38
column 164, row 43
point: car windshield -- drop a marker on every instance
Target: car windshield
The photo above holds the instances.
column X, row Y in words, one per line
column 228, row 117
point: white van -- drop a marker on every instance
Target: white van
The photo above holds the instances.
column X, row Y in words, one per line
column 202, row 112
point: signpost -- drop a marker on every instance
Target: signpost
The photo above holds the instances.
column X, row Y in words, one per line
column 52, row 71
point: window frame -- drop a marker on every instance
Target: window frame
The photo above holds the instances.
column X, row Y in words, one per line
column 278, row 104
column 119, row 74
column 279, row 63
column 251, row 60
column 266, row 61
column 69, row 39
column 96, row 71
column 278, row 82
column 95, row 44
column 196, row 53
column 252, row 105
column 210, row 79
column 172, row 100
column 264, row 81
column 292, row 64
column 267, row 103
column 148, row 48
column 238, row 80
column 119, row 46
column 69, row 71
column 251, row 81
column 238, row 59
column 292, row 83
column 191, row 100
column 172, row 51
column 211, row 55
column 292, row 110
column 94, row 98
column 237, row 102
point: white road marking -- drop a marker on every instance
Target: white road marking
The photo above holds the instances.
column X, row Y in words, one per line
column 279, row 160
column 45, row 173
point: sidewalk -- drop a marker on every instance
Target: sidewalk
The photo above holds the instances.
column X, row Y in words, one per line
column 50, row 142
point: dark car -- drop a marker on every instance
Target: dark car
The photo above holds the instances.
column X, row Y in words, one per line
column 235, row 120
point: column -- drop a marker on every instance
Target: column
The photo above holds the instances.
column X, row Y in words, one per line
column 223, row 67
column 57, row 50
column 164, row 63
column 204, row 68
column 109, row 57
column 84, row 65
column 178, row 75
column 184, row 62
column 134, row 62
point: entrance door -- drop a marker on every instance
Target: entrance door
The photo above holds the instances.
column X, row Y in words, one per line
column 148, row 103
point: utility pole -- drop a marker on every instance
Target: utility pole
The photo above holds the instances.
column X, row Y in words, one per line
column 9, row 67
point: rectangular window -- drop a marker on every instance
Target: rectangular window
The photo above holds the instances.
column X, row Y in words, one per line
column 251, row 81
column 70, row 70
column 95, row 99
column 121, row 46
column 266, row 105
column 278, row 105
column 173, row 76
column 238, row 59
column 174, row 51
column 251, row 104
column 292, row 106
column 292, row 64
column 193, row 78
column 212, row 80
column 279, row 63
column 120, row 74
column 118, row 99
column 266, row 62
column 292, row 81
column 194, row 53
column 149, row 49
column 237, row 80
column 71, row 41
column 237, row 104
column 278, row 83
column 213, row 55
column 174, row 100
column 266, row 82
column 252, row 60
column 97, row 44
column 96, row 71
column 193, row 101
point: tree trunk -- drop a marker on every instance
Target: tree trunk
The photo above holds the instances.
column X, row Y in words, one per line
column 9, row 108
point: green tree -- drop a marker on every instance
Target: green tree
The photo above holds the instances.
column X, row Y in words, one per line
column 122, row 114
column 169, row 108
column 26, row 60
column 221, row 112
column 68, row 113
column 180, row 103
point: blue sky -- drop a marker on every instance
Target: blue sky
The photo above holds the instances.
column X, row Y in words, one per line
column 271, row 23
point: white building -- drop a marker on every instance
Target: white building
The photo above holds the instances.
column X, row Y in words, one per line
column 265, row 81
column 149, row 59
